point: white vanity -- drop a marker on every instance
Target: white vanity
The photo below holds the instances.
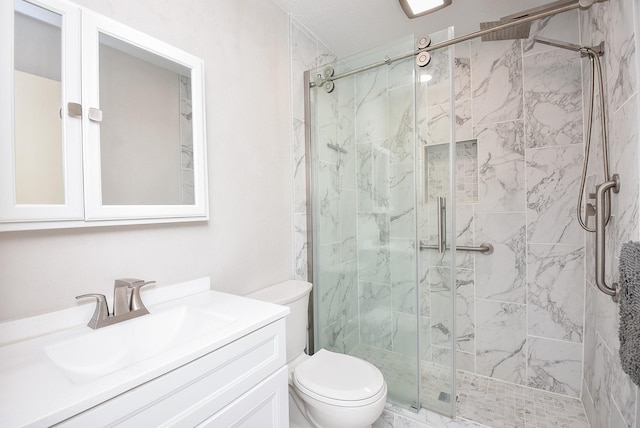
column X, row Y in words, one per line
column 200, row 358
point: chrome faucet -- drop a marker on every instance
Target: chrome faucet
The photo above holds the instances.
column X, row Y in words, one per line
column 120, row 297
column 126, row 305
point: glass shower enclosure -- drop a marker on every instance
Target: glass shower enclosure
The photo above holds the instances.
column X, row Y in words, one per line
column 381, row 155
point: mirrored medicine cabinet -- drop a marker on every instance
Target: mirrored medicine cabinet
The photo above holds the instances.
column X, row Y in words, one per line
column 103, row 124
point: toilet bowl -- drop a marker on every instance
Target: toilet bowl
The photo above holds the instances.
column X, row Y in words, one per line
column 326, row 389
column 336, row 390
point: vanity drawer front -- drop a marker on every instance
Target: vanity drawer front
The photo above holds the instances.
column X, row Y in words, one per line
column 265, row 406
column 194, row 392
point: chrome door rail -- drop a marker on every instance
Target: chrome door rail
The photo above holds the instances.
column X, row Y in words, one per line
column 484, row 248
column 562, row 7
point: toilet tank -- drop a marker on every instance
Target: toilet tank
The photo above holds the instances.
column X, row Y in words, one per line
column 295, row 295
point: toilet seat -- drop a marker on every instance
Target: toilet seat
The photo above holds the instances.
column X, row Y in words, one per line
column 339, row 379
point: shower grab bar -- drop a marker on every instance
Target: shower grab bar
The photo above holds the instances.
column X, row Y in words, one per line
column 484, row 248
column 442, row 224
column 337, row 148
column 441, row 245
column 601, row 223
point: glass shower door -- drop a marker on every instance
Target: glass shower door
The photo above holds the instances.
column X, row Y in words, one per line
column 371, row 208
column 435, row 137
column 364, row 211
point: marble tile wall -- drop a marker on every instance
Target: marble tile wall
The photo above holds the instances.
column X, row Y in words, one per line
column 306, row 52
column 520, row 311
column 609, row 396
column 336, row 287
column 537, row 186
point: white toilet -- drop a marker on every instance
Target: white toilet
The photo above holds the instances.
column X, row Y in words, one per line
column 326, row 389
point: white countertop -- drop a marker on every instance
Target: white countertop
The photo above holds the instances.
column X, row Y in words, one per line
column 36, row 392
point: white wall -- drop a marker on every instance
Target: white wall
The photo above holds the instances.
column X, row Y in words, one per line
column 247, row 243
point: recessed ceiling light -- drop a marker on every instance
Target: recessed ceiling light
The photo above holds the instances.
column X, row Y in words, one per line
column 415, row 8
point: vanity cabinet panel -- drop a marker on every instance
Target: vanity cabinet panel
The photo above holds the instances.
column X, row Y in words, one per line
column 249, row 370
column 265, row 406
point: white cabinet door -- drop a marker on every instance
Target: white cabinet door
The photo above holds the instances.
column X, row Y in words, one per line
column 40, row 137
column 264, row 406
column 144, row 133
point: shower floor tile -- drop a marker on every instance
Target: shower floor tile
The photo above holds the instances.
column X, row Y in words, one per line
column 501, row 404
column 480, row 400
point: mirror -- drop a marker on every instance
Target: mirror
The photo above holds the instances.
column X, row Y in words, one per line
column 38, row 146
column 146, row 135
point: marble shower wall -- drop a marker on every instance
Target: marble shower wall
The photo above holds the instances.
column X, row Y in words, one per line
column 306, row 53
column 608, row 394
column 520, row 311
column 337, row 286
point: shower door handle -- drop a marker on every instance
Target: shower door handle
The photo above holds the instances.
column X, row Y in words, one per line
column 442, row 224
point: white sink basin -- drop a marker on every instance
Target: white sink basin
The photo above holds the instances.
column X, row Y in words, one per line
column 106, row 350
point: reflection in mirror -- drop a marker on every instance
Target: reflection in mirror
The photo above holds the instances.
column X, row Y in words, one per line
column 37, row 105
column 146, row 135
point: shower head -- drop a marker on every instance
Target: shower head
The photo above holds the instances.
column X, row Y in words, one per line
column 520, row 31
column 512, row 33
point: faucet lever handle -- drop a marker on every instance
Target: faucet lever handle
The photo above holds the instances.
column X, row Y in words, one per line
column 136, row 300
column 102, row 310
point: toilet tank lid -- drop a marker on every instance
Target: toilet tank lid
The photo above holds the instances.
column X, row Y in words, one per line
column 283, row 292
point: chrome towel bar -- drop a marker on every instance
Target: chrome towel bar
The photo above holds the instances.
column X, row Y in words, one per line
column 601, row 223
column 484, row 248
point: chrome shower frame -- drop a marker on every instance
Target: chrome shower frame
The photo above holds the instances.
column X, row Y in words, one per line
column 553, row 9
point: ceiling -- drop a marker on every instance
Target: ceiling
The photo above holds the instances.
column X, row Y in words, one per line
column 351, row 26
